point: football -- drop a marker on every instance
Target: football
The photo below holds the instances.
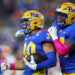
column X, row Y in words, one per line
column 37, row 57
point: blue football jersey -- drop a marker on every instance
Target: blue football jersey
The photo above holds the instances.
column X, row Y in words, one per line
column 67, row 62
column 33, row 44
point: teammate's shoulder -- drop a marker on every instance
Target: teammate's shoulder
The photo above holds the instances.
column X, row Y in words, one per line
column 70, row 30
column 72, row 33
column 72, row 27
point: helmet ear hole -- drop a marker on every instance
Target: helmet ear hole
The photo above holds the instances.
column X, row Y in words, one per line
column 72, row 18
column 35, row 22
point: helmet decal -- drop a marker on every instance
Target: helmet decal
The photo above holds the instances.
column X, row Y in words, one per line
column 70, row 9
column 34, row 15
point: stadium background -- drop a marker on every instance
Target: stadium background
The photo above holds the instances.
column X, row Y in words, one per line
column 10, row 13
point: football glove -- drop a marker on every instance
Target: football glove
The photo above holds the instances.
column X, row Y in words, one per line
column 5, row 66
column 53, row 32
column 31, row 64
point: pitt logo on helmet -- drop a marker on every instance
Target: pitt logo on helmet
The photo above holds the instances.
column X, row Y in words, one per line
column 31, row 20
column 34, row 15
column 71, row 10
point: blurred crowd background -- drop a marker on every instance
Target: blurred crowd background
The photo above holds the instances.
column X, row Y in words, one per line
column 10, row 13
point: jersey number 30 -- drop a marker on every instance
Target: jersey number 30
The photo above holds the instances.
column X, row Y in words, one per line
column 29, row 48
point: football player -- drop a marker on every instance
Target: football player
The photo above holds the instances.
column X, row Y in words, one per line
column 36, row 41
column 63, row 35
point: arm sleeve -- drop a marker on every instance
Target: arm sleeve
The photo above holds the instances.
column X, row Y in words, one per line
column 62, row 49
column 50, row 62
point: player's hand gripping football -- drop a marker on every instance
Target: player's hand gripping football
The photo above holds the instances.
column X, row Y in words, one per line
column 53, row 32
column 31, row 64
column 5, row 66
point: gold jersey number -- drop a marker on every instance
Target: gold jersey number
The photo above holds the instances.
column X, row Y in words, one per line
column 27, row 48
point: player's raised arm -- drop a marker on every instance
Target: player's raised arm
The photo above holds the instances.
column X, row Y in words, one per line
column 69, row 44
column 19, row 65
column 62, row 49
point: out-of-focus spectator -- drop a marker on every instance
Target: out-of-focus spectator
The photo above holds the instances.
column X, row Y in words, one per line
column 73, row 1
column 7, row 7
column 25, row 5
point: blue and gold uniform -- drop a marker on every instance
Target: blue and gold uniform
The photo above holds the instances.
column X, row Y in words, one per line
column 67, row 62
column 65, row 23
column 33, row 44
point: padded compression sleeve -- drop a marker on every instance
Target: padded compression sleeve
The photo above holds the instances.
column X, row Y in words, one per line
column 50, row 62
column 62, row 49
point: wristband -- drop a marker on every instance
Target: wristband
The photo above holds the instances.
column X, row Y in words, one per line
column 12, row 66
